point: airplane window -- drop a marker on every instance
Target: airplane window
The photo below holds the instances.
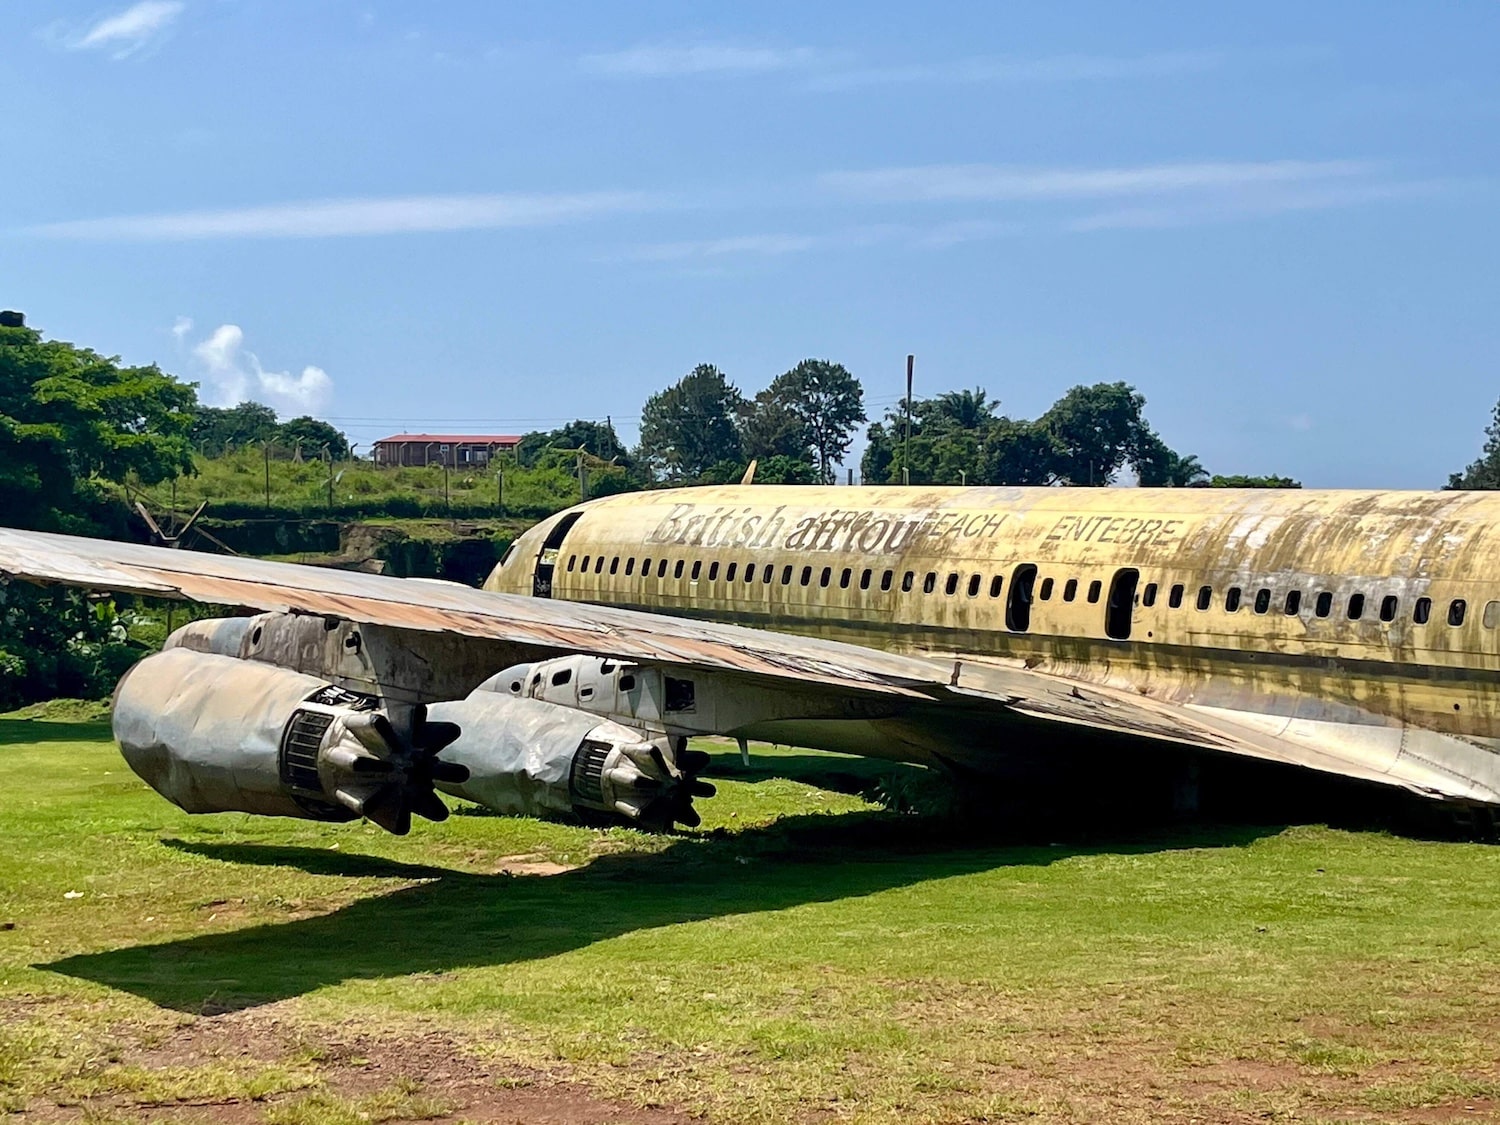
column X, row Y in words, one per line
column 1356, row 606
column 1174, row 599
column 584, row 569
column 629, row 566
column 677, row 569
column 1293, row 603
column 1456, row 609
column 1262, row 600
column 864, row 579
column 951, row 586
column 749, row 572
column 826, row 576
column 729, row 571
column 1148, row 595
column 599, row 565
column 713, row 571
column 606, row 667
column 1422, row 611
column 614, row 565
column 661, row 568
column 1205, row 596
column 807, row 576
column 929, row 584
column 1094, row 588
column 844, row 578
column 627, row 683
column 697, row 569
column 1018, row 604
column 1232, row 599
column 974, row 585
column 560, row 678
column 571, row 560
column 885, row 579
column 1070, row 589
column 1046, row 591
column 786, row 575
column 1324, row 605
column 995, row 586
column 767, row 571
column 906, row 581
column 1388, row 606
column 1491, row 614
column 646, row 568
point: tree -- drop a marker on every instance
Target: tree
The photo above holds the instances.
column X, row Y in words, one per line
column 1096, row 429
column 70, row 417
column 1157, row 466
column 598, row 439
column 313, row 435
column 828, row 402
column 690, row 426
column 770, row 426
column 217, row 430
column 1485, row 472
column 1253, row 482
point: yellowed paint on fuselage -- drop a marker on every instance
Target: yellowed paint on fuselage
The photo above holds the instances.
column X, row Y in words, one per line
column 1338, row 606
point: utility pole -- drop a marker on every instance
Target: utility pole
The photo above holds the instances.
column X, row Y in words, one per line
column 328, row 456
column 906, row 436
column 500, row 491
column 266, row 445
column 583, row 479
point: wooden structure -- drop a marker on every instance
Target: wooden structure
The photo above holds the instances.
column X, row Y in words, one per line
column 457, row 451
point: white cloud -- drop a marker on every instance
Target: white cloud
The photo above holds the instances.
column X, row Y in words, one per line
column 126, row 32
column 181, row 327
column 935, row 237
column 667, row 60
column 751, row 245
column 330, row 218
column 1058, row 68
column 231, row 375
column 1002, row 183
column 1280, row 199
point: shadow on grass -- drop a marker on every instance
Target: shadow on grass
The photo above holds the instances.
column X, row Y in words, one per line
column 455, row 919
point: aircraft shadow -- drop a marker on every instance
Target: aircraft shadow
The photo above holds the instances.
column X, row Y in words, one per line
column 456, row 919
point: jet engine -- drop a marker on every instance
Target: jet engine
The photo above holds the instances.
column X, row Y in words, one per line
column 214, row 733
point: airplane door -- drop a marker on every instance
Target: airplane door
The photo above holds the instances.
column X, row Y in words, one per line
column 546, row 559
column 1120, row 607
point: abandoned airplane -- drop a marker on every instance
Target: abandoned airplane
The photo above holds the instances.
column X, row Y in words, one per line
column 1019, row 634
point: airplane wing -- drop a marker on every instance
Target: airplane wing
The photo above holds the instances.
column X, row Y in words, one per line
column 831, row 666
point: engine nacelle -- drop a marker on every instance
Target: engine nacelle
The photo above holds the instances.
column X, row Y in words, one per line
column 530, row 757
column 215, row 734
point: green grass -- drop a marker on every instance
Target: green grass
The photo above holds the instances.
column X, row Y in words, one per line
column 805, row 955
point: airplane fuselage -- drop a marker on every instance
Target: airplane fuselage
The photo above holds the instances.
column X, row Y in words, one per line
column 1349, row 614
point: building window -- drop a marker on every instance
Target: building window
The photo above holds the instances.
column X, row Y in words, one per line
column 1148, row 595
column 1045, row 594
column 1356, row 606
column 1094, row 588
column 995, row 584
column 1456, row 610
column 1293, row 603
column 1205, row 596
column 1070, row 589
column 1262, row 600
column 1232, row 600
column 974, row 580
column 1421, row 612
column 1324, row 605
column 1388, row 607
column 929, row 584
column 1174, row 599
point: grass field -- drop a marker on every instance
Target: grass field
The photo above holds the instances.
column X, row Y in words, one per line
column 804, row 956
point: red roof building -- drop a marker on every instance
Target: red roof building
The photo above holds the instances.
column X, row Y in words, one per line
column 457, row 451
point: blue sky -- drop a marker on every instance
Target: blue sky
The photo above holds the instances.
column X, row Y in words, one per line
column 1276, row 220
